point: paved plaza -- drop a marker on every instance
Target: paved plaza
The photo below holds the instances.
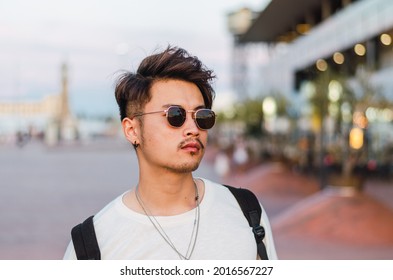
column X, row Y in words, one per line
column 45, row 191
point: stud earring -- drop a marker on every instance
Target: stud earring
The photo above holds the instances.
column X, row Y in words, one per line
column 135, row 145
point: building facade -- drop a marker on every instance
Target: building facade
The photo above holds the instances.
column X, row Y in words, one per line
column 321, row 54
column 49, row 118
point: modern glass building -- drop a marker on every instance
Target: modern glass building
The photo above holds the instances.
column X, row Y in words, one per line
column 334, row 60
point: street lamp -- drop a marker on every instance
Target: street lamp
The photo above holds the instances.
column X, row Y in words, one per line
column 269, row 106
column 269, row 109
column 356, row 137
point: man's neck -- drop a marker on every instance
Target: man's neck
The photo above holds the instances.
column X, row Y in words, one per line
column 165, row 195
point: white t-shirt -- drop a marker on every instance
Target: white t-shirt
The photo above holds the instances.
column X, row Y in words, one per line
column 224, row 233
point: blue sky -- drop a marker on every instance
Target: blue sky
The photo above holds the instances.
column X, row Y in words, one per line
column 98, row 38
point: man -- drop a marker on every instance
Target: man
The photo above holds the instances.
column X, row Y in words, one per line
column 165, row 109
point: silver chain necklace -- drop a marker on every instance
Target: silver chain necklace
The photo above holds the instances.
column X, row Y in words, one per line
column 161, row 231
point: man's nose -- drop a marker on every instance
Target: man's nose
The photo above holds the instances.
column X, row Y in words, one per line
column 190, row 126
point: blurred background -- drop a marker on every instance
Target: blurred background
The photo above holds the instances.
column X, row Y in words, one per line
column 304, row 99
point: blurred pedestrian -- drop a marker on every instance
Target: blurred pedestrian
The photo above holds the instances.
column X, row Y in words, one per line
column 222, row 164
column 165, row 109
column 240, row 155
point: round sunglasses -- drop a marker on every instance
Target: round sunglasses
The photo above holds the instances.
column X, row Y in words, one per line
column 176, row 116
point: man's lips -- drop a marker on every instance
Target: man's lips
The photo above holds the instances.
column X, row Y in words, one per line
column 192, row 146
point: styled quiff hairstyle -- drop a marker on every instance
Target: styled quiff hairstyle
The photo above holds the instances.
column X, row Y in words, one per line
column 132, row 90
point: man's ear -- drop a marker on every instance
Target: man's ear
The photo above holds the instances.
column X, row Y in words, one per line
column 131, row 130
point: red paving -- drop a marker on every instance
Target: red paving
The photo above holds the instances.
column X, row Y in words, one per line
column 355, row 218
column 330, row 224
column 275, row 179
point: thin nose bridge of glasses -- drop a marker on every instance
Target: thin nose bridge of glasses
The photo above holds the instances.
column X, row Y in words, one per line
column 193, row 112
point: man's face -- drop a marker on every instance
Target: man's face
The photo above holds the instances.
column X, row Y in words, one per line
column 162, row 145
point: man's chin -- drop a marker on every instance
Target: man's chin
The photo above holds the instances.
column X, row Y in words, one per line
column 189, row 169
column 184, row 168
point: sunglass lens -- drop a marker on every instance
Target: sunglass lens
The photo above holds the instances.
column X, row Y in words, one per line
column 205, row 118
column 176, row 116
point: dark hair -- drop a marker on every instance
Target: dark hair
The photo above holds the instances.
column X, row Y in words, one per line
column 132, row 90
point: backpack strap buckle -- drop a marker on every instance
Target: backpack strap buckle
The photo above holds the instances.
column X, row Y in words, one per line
column 259, row 231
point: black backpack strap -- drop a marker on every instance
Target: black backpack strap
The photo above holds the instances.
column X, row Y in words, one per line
column 85, row 241
column 252, row 211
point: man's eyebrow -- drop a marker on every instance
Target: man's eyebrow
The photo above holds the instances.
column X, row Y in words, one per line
column 200, row 107
column 166, row 106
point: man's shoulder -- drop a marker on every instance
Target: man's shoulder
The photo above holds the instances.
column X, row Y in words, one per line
column 109, row 210
column 224, row 187
column 212, row 183
column 220, row 193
